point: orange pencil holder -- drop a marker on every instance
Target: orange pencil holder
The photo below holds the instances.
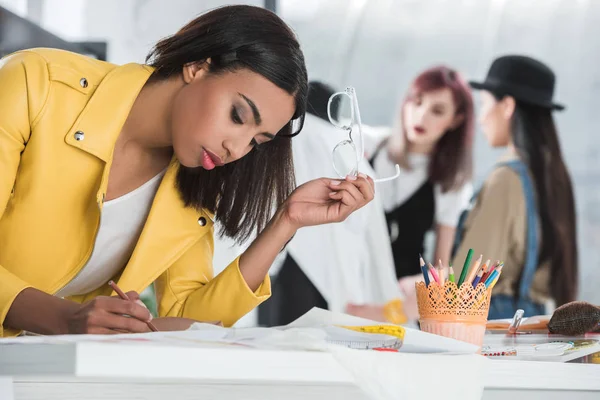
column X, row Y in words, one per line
column 458, row 313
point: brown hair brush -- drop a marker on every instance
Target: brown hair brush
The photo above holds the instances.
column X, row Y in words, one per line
column 574, row 319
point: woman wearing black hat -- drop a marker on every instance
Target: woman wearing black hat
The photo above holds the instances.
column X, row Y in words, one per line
column 525, row 212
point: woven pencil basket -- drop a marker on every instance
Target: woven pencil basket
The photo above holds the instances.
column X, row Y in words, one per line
column 457, row 313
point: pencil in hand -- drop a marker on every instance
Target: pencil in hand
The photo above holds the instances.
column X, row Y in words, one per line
column 125, row 297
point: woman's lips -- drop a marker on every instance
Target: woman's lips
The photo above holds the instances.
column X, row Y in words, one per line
column 419, row 130
column 210, row 160
column 207, row 162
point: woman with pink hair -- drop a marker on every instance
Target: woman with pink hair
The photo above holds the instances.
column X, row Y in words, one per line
column 432, row 142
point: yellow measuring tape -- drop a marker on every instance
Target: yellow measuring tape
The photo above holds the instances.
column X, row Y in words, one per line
column 391, row 330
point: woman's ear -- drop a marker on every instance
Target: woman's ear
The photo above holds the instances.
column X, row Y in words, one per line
column 195, row 70
column 508, row 104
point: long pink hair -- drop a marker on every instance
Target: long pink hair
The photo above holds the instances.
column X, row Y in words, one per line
column 452, row 159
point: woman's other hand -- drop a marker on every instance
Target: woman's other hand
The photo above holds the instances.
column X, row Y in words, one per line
column 324, row 201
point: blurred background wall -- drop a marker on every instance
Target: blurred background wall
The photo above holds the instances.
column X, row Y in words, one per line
column 379, row 45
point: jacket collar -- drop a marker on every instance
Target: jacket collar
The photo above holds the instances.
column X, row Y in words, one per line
column 104, row 115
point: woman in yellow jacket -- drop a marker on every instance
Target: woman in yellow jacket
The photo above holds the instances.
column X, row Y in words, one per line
column 117, row 172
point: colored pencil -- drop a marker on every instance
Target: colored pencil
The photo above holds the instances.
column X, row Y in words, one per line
column 485, row 267
column 494, row 283
column 474, row 269
column 489, row 271
column 477, row 278
column 424, row 270
column 434, row 274
column 493, row 276
column 500, row 265
column 465, row 269
column 441, row 271
column 451, row 274
column 123, row 296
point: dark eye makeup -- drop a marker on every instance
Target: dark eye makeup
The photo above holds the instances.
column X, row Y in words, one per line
column 235, row 116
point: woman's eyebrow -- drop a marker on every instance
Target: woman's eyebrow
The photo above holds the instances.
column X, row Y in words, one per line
column 255, row 112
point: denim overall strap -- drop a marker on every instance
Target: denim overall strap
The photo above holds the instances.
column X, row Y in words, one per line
column 531, row 249
column 460, row 227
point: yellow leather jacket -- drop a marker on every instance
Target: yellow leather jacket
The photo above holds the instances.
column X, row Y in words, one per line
column 60, row 115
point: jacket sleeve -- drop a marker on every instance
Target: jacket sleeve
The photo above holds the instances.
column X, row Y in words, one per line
column 188, row 288
column 21, row 102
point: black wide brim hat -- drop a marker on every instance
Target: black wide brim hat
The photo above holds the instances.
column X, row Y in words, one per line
column 524, row 78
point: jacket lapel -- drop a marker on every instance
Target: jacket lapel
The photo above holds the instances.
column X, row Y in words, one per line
column 170, row 229
column 105, row 113
column 100, row 123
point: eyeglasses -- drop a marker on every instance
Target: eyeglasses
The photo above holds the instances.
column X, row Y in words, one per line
column 343, row 113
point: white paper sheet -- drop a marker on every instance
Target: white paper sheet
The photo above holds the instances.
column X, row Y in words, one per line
column 415, row 341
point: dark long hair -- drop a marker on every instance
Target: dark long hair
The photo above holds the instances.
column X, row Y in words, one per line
column 535, row 138
column 452, row 159
column 243, row 194
column 318, row 99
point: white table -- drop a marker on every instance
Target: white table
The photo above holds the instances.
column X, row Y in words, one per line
column 219, row 373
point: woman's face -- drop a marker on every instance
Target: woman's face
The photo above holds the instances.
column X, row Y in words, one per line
column 219, row 118
column 495, row 119
column 428, row 116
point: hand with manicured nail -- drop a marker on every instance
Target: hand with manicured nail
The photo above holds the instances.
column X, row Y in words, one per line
column 323, row 201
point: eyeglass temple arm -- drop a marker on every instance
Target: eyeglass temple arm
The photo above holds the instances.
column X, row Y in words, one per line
column 391, row 178
column 360, row 151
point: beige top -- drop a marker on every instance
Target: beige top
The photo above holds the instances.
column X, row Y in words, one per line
column 496, row 227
